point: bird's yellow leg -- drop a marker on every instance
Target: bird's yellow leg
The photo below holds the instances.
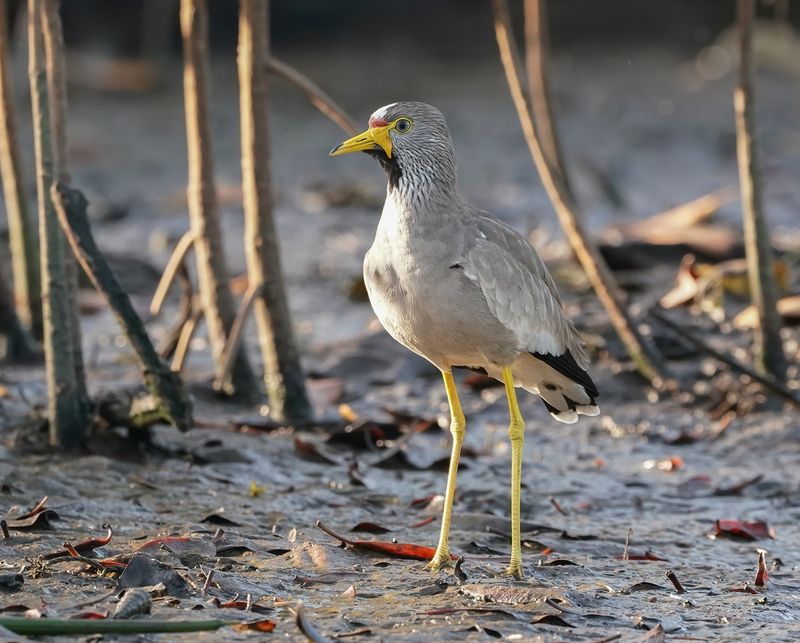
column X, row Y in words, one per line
column 457, row 427
column 516, row 431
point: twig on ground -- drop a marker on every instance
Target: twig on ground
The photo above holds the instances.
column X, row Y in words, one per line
column 673, row 578
column 236, row 335
column 185, row 309
column 627, row 543
column 167, row 388
column 185, row 337
column 168, row 276
column 766, row 380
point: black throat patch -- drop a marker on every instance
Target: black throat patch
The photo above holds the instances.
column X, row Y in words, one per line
column 389, row 165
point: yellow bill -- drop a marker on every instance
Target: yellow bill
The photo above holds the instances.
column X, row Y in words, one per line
column 375, row 138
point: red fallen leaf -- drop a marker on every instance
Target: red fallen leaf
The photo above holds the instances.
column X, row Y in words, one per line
column 243, row 605
column 647, row 555
column 71, row 550
column 762, row 575
column 546, row 551
column 424, row 522
column 743, row 530
column 371, row 528
column 264, row 625
column 738, row 488
column 421, row 503
column 746, row 589
column 37, row 508
column 113, row 565
column 90, row 616
column 400, row 550
column 84, row 546
column 156, row 543
column 314, row 451
column 38, row 517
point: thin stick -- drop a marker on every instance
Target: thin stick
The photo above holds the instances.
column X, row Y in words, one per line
column 647, row 361
column 766, row 380
column 537, row 47
column 627, row 543
column 55, row 60
column 768, row 348
column 168, row 276
column 236, row 334
column 673, row 578
column 212, row 271
column 68, row 408
column 315, row 94
column 21, row 230
column 20, row 346
column 166, row 387
column 186, row 308
column 283, row 377
column 185, row 339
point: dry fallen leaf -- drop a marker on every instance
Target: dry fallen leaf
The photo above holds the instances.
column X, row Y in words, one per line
column 743, row 530
column 788, row 309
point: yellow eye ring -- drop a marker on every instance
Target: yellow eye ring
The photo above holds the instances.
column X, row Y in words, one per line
column 403, row 125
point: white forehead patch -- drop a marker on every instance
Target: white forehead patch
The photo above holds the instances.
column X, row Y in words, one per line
column 382, row 112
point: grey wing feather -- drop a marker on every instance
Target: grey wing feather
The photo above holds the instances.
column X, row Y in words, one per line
column 519, row 290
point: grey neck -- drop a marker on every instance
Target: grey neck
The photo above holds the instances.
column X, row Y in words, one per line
column 422, row 186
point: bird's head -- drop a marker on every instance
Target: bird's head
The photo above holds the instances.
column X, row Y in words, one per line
column 412, row 143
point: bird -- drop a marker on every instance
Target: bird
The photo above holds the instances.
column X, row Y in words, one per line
column 464, row 290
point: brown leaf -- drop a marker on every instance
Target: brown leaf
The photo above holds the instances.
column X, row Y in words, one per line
column 762, row 575
column 84, row 546
column 399, row 550
column 551, row 619
column 263, row 625
column 371, row 528
column 743, row 530
column 788, row 309
column 738, row 488
column 38, row 517
column 647, row 555
column 685, row 288
column 315, row 451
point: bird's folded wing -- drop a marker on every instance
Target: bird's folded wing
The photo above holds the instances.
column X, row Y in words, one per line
column 519, row 296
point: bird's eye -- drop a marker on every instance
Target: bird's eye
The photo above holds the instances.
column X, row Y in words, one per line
column 403, row 125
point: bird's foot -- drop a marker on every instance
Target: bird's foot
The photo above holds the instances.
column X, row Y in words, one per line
column 514, row 570
column 440, row 559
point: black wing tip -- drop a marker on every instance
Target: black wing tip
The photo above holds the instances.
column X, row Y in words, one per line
column 568, row 367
